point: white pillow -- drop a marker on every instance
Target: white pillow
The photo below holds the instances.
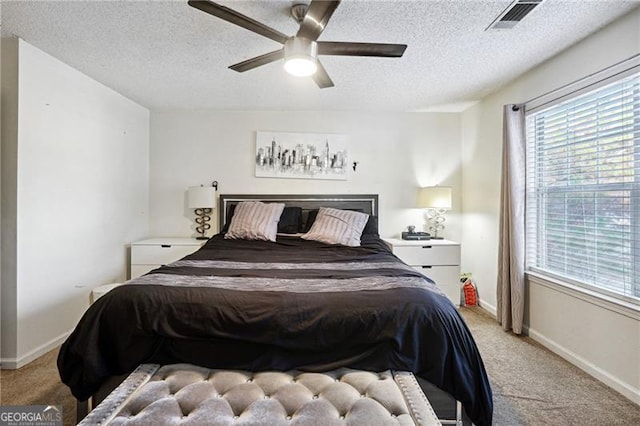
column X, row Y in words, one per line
column 253, row 220
column 333, row 226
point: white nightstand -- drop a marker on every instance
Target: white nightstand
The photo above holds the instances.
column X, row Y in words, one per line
column 436, row 259
column 100, row 291
column 154, row 252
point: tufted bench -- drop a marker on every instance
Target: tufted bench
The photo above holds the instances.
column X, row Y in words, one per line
column 192, row 395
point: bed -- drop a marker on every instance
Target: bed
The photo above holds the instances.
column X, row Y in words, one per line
column 280, row 305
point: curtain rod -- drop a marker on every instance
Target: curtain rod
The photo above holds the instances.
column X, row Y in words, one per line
column 516, row 107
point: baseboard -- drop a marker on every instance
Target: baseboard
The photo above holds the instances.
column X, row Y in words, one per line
column 15, row 363
column 488, row 307
column 613, row 382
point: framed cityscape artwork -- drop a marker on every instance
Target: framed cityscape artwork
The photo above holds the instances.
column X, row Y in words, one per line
column 301, row 155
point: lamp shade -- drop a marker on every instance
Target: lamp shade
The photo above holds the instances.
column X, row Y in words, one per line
column 437, row 197
column 202, row 197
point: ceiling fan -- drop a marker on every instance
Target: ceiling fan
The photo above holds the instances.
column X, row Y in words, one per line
column 300, row 51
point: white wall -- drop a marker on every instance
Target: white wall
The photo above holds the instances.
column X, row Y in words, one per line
column 396, row 152
column 82, row 196
column 601, row 340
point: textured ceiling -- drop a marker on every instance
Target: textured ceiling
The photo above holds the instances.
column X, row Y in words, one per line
column 168, row 55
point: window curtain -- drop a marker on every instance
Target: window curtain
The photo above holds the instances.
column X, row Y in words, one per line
column 511, row 255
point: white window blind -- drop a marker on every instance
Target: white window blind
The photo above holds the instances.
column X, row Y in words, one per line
column 583, row 189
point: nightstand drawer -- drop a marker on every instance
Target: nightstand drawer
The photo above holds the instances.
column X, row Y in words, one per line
column 159, row 254
column 428, row 254
column 152, row 253
column 436, row 259
column 442, row 275
column 447, row 278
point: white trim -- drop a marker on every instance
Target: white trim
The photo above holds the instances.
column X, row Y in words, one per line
column 615, row 305
column 488, row 307
column 15, row 363
column 615, row 383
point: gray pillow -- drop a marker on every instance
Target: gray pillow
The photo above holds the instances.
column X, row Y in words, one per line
column 253, row 220
column 333, row 226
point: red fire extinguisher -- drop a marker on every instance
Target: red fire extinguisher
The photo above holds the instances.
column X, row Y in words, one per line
column 469, row 290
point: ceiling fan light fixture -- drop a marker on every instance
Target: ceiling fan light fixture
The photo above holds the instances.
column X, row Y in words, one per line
column 300, row 67
column 300, row 56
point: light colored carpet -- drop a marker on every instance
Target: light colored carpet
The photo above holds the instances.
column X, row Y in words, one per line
column 38, row 383
column 531, row 385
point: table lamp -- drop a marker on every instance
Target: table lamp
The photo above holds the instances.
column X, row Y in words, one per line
column 437, row 200
column 203, row 199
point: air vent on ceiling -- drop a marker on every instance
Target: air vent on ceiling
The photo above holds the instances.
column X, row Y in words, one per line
column 514, row 14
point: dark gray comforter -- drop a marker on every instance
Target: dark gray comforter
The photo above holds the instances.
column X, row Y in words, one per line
column 292, row 304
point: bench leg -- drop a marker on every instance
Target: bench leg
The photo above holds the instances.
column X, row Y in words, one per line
column 82, row 409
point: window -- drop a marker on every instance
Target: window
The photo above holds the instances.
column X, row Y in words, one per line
column 583, row 189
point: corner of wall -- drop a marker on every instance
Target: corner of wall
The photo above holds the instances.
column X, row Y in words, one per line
column 8, row 182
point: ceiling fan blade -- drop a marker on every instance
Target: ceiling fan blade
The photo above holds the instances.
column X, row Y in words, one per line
column 361, row 49
column 316, row 18
column 252, row 63
column 239, row 19
column 321, row 77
